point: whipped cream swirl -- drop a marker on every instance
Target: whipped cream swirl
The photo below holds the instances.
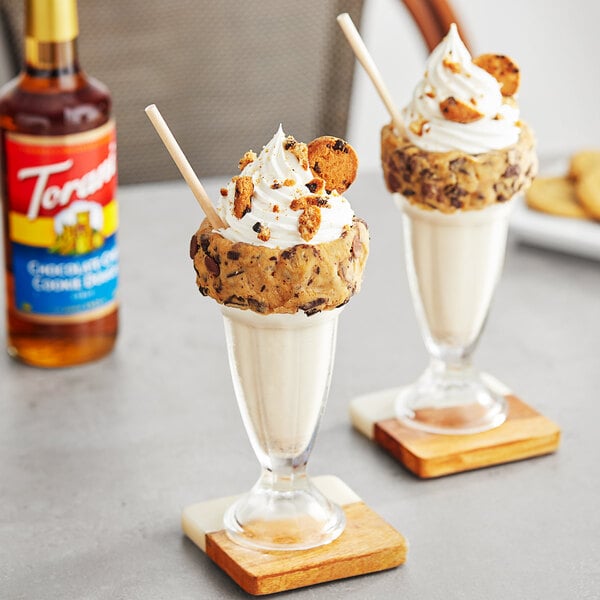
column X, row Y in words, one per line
column 279, row 178
column 450, row 72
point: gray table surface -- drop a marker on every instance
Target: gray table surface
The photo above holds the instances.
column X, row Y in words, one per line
column 96, row 462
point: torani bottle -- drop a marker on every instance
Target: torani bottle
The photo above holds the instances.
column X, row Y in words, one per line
column 58, row 198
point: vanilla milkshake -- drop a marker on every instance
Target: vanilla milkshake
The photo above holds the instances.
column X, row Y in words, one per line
column 281, row 368
column 290, row 258
column 454, row 262
column 462, row 157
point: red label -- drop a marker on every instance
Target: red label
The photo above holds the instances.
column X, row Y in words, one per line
column 45, row 174
column 62, row 222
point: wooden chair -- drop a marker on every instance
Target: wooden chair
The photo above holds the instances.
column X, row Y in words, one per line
column 224, row 74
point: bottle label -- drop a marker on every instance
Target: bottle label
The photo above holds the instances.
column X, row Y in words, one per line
column 62, row 223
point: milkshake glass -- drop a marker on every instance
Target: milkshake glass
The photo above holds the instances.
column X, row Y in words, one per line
column 454, row 262
column 281, row 367
column 453, row 170
column 291, row 257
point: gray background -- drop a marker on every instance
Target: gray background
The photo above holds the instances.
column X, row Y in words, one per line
column 96, row 462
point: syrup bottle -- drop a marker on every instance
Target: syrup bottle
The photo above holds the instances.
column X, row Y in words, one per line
column 59, row 209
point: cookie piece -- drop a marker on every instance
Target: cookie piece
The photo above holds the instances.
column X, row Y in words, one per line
column 503, row 69
column 555, row 196
column 583, row 162
column 459, row 112
column 307, row 278
column 333, row 160
column 242, row 199
column 587, row 189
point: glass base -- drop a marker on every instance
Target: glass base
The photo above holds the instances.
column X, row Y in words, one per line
column 452, row 402
column 286, row 513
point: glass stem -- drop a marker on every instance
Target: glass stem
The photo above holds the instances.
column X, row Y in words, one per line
column 283, row 477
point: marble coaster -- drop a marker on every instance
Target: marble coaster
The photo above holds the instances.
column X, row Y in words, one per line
column 525, row 434
column 368, row 544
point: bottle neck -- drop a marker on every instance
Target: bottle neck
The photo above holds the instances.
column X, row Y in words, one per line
column 51, row 30
column 50, row 59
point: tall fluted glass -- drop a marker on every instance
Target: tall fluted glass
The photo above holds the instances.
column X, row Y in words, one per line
column 281, row 368
column 454, row 262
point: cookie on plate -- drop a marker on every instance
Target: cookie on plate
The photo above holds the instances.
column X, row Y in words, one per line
column 587, row 188
column 583, row 162
column 555, row 196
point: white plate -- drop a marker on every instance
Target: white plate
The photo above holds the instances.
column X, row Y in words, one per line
column 573, row 236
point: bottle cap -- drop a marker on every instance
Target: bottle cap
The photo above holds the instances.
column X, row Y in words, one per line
column 51, row 20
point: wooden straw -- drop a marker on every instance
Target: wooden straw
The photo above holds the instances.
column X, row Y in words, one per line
column 184, row 167
column 366, row 60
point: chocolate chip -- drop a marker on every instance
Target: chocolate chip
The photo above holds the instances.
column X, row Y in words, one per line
column 193, row 246
column 501, row 198
column 512, row 171
column 408, row 192
column 312, row 186
column 203, row 290
column 312, row 304
column 312, row 311
column 287, row 254
column 235, row 273
column 233, row 255
column 316, row 168
column 212, row 266
column 235, row 301
column 257, row 227
column 256, row 305
column 456, row 202
column 262, row 289
column 204, row 242
column 340, row 146
column 428, row 190
column 457, row 164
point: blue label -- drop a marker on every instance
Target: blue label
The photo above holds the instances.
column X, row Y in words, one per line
column 47, row 283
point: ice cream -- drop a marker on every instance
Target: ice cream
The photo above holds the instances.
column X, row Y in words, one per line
column 280, row 178
column 464, row 149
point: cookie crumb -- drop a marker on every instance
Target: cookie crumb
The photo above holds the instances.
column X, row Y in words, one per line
column 315, row 185
column 451, row 65
column 309, row 222
column 459, row 112
column 242, row 201
column 305, row 201
column 298, row 149
column 417, row 126
column 262, row 231
column 248, row 158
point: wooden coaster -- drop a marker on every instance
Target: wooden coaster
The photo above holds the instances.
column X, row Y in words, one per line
column 524, row 434
column 368, row 544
